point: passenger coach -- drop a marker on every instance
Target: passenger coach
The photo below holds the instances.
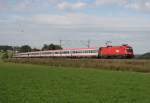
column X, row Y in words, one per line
column 70, row 52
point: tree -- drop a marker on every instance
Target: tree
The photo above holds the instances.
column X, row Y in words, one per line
column 145, row 56
column 51, row 47
column 54, row 47
column 25, row 48
column 5, row 47
column 45, row 47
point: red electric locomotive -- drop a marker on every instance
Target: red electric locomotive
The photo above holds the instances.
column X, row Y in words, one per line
column 124, row 51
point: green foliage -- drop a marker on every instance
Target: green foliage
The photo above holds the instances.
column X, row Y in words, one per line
column 25, row 48
column 5, row 55
column 1, row 54
column 21, row 83
column 45, row 47
column 51, row 47
column 5, row 47
column 54, row 47
column 145, row 56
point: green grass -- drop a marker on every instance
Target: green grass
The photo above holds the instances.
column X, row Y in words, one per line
column 23, row 83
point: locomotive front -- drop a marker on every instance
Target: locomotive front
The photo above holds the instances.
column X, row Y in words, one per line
column 129, row 52
column 123, row 51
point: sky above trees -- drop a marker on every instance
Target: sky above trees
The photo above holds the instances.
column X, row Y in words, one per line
column 36, row 22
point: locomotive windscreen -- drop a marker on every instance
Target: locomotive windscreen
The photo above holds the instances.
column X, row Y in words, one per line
column 129, row 49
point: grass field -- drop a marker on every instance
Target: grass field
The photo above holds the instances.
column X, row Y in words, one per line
column 24, row 83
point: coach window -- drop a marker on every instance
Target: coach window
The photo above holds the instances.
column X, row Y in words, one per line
column 52, row 52
column 86, row 51
column 73, row 52
column 66, row 52
column 43, row 53
column 56, row 52
column 93, row 51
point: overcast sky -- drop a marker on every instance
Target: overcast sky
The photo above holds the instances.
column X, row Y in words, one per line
column 36, row 22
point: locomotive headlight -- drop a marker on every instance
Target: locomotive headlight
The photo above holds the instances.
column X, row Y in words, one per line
column 117, row 51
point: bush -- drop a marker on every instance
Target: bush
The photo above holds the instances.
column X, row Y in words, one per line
column 5, row 55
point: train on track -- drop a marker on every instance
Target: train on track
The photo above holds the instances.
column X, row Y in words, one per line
column 121, row 52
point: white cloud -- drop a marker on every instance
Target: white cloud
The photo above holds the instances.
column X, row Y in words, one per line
column 33, row 5
column 106, row 2
column 27, row 5
column 137, row 5
column 55, row 1
column 45, row 5
column 143, row 6
column 85, row 21
column 3, row 5
column 71, row 6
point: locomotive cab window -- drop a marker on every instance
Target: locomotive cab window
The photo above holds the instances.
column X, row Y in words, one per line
column 129, row 50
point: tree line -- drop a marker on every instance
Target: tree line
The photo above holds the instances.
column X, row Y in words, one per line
column 27, row 48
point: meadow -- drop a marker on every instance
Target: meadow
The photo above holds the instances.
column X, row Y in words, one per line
column 27, row 83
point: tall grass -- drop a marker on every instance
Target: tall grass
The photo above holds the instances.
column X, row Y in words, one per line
column 117, row 64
